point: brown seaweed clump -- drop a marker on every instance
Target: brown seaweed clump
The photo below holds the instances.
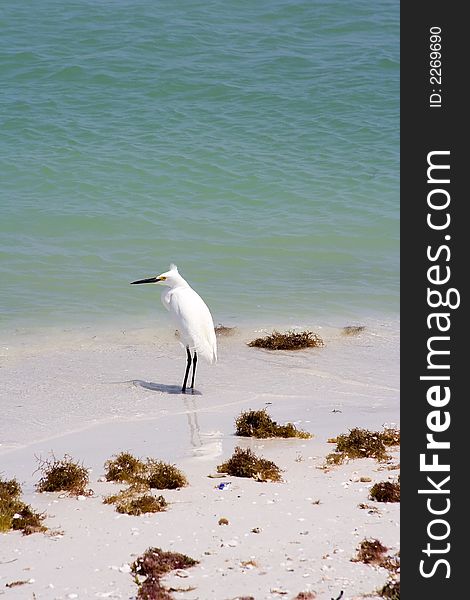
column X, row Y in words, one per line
column 153, row 565
column 136, row 500
column 359, row 443
column 224, row 331
column 163, row 476
column 142, row 476
column 392, row 564
column 353, row 329
column 390, row 436
column 391, row 590
column 371, row 552
column 258, row 424
column 385, row 491
column 362, row 443
column 157, row 474
column 291, row 340
column 63, row 475
column 14, row 513
column 124, row 468
column 244, row 463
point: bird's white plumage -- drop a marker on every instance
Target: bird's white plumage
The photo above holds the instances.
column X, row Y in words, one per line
column 193, row 319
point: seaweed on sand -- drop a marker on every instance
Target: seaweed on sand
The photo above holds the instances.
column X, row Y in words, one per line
column 224, row 331
column 257, row 423
column 359, row 443
column 391, row 590
column 142, row 476
column 371, row 552
column 16, row 514
column 153, row 565
column 244, row 463
column 291, row 340
column 136, row 500
column 125, row 467
column 362, row 443
column 385, row 491
column 353, row 329
column 390, row 436
column 163, row 476
column 63, row 475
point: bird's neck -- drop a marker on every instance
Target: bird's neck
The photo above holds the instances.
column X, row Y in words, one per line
column 178, row 282
column 169, row 290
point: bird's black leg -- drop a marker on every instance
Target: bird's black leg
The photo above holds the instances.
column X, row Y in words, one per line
column 188, row 366
column 194, row 370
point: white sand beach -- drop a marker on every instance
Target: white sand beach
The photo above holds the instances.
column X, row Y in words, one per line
column 93, row 393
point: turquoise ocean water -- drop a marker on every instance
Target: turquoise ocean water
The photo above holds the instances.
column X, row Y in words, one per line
column 254, row 143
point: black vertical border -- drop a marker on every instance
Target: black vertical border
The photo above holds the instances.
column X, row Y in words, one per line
column 425, row 129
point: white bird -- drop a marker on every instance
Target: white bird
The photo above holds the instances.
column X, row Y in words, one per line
column 192, row 316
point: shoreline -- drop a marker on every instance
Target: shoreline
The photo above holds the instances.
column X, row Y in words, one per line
column 102, row 376
column 157, row 322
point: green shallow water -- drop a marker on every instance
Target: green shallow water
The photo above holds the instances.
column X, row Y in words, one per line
column 254, row 144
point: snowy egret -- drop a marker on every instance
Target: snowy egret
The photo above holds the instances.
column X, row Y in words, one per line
column 193, row 318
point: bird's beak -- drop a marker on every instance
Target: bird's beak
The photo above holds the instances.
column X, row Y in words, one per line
column 149, row 280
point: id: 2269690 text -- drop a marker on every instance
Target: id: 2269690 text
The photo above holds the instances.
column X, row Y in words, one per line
column 435, row 67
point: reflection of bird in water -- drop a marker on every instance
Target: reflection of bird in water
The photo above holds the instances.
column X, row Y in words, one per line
column 205, row 445
column 194, row 430
column 193, row 318
column 210, row 449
